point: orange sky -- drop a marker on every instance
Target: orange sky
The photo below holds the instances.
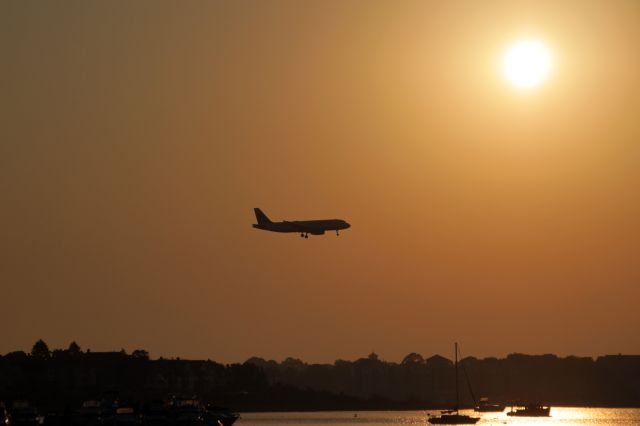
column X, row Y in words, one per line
column 135, row 139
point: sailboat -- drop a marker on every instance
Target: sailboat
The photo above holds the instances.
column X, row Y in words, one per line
column 453, row 417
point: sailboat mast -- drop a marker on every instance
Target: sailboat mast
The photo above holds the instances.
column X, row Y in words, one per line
column 457, row 393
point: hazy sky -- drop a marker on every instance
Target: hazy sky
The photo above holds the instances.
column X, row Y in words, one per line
column 136, row 138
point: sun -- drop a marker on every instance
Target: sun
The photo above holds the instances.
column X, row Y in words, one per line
column 527, row 64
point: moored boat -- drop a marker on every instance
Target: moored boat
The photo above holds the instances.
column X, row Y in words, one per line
column 531, row 410
column 186, row 412
column 87, row 415
column 453, row 417
column 125, row 416
column 155, row 414
column 484, row 406
column 22, row 414
column 219, row 416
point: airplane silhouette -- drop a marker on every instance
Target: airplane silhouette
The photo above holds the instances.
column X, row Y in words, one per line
column 304, row 227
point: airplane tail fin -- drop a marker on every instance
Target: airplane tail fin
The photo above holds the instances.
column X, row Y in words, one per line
column 261, row 217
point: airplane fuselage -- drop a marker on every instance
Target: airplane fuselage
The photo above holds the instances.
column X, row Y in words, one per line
column 303, row 227
column 314, row 227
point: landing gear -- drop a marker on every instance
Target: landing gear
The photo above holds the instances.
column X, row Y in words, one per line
column 304, row 235
column 337, row 232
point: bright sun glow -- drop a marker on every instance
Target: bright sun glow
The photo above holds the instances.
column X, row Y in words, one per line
column 527, row 63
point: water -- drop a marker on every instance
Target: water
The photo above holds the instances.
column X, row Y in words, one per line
column 559, row 416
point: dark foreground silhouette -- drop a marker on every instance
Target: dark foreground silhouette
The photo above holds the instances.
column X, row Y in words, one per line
column 61, row 380
column 110, row 411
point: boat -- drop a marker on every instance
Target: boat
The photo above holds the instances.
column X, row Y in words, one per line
column 484, row 406
column 219, row 416
column 155, row 414
column 108, row 410
column 453, row 417
column 125, row 416
column 53, row 418
column 22, row 414
column 191, row 411
column 87, row 415
column 531, row 410
column 186, row 412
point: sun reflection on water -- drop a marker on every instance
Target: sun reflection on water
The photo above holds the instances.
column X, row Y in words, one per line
column 569, row 416
column 559, row 416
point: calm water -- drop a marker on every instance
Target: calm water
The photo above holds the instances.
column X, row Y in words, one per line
column 559, row 416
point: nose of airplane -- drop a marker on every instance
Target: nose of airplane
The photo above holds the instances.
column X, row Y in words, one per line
column 347, row 225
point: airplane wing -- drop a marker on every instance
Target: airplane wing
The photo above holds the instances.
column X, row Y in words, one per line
column 301, row 227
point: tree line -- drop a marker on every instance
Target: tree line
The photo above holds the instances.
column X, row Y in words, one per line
column 69, row 376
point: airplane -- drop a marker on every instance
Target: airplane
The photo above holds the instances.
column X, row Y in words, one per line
column 304, row 227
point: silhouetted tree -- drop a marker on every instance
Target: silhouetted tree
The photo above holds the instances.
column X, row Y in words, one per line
column 246, row 377
column 413, row 358
column 59, row 354
column 40, row 350
column 293, row 363
column 140, row 354
column 367, row 382
column 74, row 349
column 15, row 356
column 260, row 362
